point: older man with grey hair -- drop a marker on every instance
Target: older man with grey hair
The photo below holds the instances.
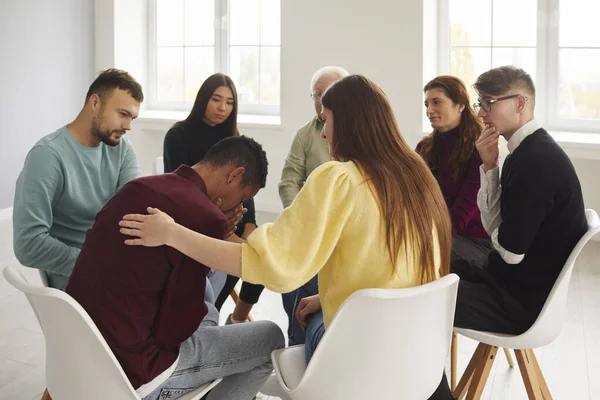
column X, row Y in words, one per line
column 309, row 149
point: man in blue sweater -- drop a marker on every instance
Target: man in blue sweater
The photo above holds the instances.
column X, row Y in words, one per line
column 533, row 211
column 70, row 174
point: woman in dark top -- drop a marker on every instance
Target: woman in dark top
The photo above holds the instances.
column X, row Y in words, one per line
column 213, row 117
column 451, row 155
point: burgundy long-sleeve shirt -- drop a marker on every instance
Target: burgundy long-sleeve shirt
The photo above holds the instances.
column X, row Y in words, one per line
column 461, row 194
column 146, row 301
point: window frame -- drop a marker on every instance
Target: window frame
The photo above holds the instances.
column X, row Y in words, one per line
column 547, row 67
column 221, row 57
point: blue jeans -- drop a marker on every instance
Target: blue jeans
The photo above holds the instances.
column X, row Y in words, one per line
column 315, row 330
column 315, row 327
column 217, row 281
column 290, row 303
column 239, row 353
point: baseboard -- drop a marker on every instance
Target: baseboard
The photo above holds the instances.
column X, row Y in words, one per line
column 6, row 214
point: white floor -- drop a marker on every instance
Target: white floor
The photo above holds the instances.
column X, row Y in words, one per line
column 571, row 364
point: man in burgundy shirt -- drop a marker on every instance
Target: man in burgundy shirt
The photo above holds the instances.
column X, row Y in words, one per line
column 148, row 303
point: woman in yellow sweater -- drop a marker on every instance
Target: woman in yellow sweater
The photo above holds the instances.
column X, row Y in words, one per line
column 374, row 218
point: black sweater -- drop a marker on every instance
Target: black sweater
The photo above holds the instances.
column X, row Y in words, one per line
column 187, row 144
column 543, row 217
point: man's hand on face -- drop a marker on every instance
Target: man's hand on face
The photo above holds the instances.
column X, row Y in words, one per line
column 234, row 215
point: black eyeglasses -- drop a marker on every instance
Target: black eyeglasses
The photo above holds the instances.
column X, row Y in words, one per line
column 486, row 105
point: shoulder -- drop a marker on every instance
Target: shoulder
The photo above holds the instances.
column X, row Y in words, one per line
column 538, row 150
column 306, row 130
column 424, row 140
column 336, row 173
column 48, row 148
column 177, row 131
column 53, row 142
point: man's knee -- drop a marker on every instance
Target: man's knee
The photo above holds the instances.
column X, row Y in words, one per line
column 271, row 333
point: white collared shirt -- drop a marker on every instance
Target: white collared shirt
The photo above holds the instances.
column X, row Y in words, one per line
column 488, row 197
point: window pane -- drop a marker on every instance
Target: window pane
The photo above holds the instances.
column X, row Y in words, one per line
column 169, row 73
column 579, row 84
column 199, row 65
column 470, row 22
column 199, row 22
column 270, row 22
column 515, row 28
column 578, row 23
column 244, row 22
column 519, row 57
column 468, row 64
column 269, row 75
column 169, row 22
column 243, row 69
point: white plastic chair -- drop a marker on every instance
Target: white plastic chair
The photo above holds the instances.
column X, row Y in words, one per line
column 545, row 329
column 159, row 166
column 79, row 363
column 381, row 344
column 43, row 277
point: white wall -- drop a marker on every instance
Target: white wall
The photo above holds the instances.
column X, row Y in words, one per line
column 363, row 37
column 381, row 39
column 46, row 52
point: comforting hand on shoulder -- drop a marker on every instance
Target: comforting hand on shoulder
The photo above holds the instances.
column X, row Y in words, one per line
column 150, row 230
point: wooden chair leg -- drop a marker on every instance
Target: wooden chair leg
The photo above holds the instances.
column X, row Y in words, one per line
column 453, row 360
column 526, row 361
column 46, row 395
column 509, row 357
column 461, row 390
column 541, row 381
column 481, row 374
column 235, row 297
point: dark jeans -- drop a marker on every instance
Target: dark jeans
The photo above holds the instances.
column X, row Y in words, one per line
column 290, row 302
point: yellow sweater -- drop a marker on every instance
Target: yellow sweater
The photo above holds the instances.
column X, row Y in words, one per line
column 333, row 228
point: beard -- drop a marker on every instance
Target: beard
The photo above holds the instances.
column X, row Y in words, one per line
column 105, row 135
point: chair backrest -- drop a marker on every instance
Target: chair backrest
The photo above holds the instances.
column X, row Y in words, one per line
column 43, row 277
column 79, row 363
column 384, row 344
column 550, row 321
column 159, row 166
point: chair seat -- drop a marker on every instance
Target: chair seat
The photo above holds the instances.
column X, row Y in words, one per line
column 498, row 339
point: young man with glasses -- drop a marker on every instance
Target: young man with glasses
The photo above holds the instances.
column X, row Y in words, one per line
column 533, row 211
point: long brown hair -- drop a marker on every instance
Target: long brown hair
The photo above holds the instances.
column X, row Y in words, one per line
column 212, row 83
column 410, row 199
column 469, row 129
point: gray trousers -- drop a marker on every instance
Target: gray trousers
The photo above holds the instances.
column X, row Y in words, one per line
column 239, row 353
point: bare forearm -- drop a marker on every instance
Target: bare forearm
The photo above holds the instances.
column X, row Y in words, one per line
column 216, row 254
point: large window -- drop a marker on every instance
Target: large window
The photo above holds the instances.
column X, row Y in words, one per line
column 192, row 39
column 554, row 40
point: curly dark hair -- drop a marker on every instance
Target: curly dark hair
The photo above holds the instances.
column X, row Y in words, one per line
column 241, row 151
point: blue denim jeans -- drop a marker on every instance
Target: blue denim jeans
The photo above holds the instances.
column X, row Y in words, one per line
column 240, row 354
column 290, row 303
column 315, row 326
column 315, row 330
